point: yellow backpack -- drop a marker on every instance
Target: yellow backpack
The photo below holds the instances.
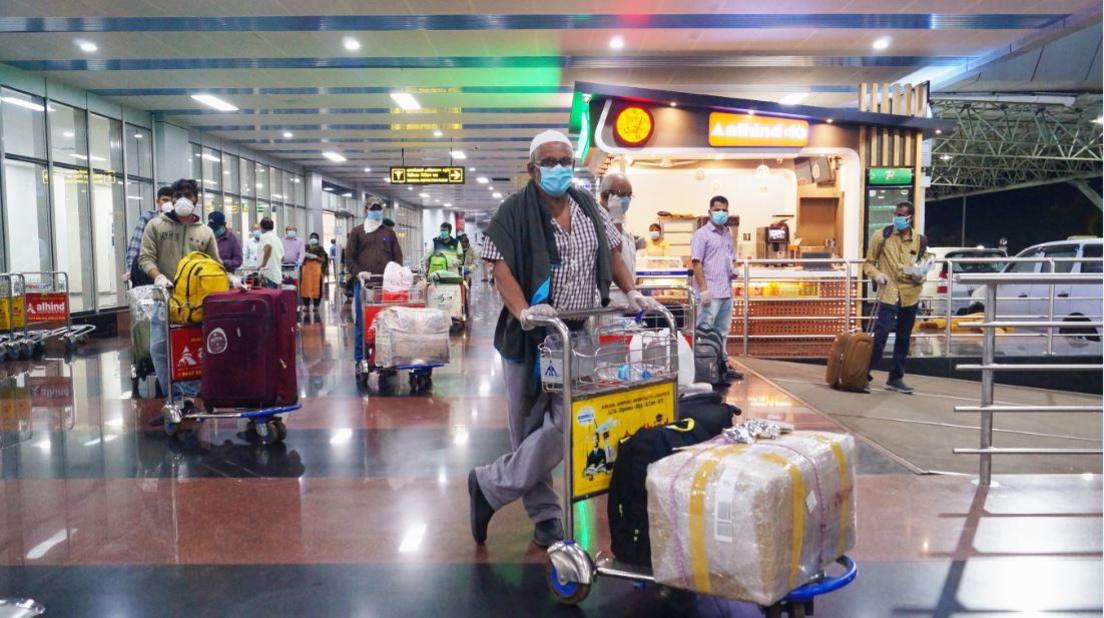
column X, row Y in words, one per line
column 197, row 275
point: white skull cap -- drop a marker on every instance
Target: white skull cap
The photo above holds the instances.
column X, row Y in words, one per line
column 547, row 137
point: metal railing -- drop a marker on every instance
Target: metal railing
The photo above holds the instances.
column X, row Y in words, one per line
column 754, row 317
column 989, row 367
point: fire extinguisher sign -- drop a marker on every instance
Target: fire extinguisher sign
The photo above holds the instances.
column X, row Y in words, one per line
column 187, row 348
column 47, row 306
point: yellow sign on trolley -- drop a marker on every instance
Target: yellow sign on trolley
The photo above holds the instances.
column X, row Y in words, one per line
column 11, row 315
column 602, row 421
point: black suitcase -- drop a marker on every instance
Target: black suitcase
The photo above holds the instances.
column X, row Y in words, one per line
column 701, row 417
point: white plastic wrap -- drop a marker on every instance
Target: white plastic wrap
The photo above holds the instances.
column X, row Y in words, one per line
column 412, row 336
column 752, row 522
column 142, row 300
column 447, row 298
column 397, row 278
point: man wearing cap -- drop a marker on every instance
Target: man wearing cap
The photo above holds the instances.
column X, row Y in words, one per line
column 552, row 248
column 229, row 247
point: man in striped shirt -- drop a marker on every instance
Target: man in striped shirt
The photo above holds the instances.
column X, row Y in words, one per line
column 536, row 279
column 164, row 204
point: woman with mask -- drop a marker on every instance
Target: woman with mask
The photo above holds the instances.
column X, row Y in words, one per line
column 230, row 249
column 167, row 239
column 657, row 245
column 313, row 271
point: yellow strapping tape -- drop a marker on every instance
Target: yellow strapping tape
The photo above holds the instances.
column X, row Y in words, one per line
column 845, row 484
column 797, row 491
column 699, row 557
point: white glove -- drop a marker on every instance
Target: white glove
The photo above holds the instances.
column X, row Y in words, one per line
column 706, row 298
column 126, row 276
column 639, row 302
column 162, row 282
column 364, row 276
column 536, row 311
column 236, row 282
column 881, row 279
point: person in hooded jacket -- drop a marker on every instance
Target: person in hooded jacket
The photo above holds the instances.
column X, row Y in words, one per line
column 166, row 240
column 229, row 247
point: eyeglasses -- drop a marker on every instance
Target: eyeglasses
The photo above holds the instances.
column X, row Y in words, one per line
column 552, row 162
column 621, row 194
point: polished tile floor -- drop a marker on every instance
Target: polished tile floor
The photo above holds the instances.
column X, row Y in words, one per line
column 363, row 512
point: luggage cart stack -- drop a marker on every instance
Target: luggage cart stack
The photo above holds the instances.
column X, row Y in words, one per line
column 374, row 299
column 185, row 363
column 15, row 342
column 46, row 299
column 615, row 380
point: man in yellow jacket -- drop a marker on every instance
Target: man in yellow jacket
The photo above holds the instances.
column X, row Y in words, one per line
column 891, row 262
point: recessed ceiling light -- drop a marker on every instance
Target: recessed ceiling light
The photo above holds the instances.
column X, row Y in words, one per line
column 406, row 101
column 617, row 42
column 490, row 188
column 333, row 156
column 829, row 121
column 67, row 134
column 215, row 102
column 458, row 154
column 346, row 195
column 288, row 135
column 350, row 43
column 330, row 189
column 87, row 47
column 945, row 158
column 410, row 188
column 436, row 201
column 496, row 195
column 423, row 195
column 793, row 98
column 1099, row 120
column 674, row 103
column 447, row 204
column 939, row 131
column 881, row 43
column 438, row 133
column 482, row 180
column 471, row 169
column 368, row 169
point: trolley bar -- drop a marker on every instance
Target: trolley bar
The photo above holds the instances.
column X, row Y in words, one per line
column 998, row 408
column 1028, row 367
column 994, row 450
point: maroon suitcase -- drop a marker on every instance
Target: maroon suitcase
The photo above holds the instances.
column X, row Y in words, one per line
column 249, row 349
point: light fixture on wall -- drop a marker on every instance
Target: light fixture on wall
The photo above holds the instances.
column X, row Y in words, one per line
column 762, row 172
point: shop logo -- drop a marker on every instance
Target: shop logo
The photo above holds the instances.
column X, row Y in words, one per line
column 187, row 359
column 633, row 125
column 747, row 130
column 216, row 341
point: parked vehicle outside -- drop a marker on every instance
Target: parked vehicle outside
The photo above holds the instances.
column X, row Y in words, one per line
column 934, row 294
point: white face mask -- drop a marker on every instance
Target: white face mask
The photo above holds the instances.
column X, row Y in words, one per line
column 183, row 207
column 654, row 234
column 167, row 207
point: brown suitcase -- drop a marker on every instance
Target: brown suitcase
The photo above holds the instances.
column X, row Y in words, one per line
column 849, row 361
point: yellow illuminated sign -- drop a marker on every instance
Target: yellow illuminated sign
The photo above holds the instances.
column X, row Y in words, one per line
column 633, row 125
column 749, row 130
column 427, row 175
column 601, row 423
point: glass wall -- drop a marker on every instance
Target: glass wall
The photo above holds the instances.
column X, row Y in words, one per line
column 109, row 222
column 139, row 172
column 26, row 183
column 72, row 232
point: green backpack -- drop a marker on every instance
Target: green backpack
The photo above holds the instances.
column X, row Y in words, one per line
column 437, row 261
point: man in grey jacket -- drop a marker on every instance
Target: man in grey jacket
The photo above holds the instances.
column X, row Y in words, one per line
column 167, row 239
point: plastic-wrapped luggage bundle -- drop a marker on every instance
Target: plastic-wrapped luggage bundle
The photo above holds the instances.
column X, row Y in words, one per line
column 412, row 336
column 142, row 304
column 752, row 521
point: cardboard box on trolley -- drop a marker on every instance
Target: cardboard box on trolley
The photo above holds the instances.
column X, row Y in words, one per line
column 752, row 521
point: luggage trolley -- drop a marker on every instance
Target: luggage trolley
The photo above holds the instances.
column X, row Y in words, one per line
column 644, row 386
column 47, row 301
column 186, row 363
column 373, row 300
column 15, row 342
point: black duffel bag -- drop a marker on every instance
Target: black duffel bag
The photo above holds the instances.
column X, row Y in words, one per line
column 701, row 417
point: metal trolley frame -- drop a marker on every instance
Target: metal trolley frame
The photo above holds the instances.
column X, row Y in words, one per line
column 266, row 423
column 571, row 569
column 70, row 335
column 15, row 342
column 421, row 376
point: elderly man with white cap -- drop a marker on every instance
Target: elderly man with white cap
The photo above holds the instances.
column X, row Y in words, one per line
column 552, row 249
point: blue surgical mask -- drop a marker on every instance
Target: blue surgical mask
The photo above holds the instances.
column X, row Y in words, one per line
column 375, row 215
column 719, row 217
column 625, row 203
column 444, row 235
column 900, row 223
column 555, row 180
column 314, row 241
column 220, row 231
column 257, row 234
column 291, row 234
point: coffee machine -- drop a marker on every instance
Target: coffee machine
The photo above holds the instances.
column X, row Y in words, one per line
column 773, row 241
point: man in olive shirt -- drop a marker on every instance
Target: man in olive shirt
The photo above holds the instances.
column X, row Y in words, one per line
column 892, row 250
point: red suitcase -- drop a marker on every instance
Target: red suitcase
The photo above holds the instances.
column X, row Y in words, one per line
column 249, row 349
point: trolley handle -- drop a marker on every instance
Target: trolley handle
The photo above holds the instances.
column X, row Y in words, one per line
column 557, row 321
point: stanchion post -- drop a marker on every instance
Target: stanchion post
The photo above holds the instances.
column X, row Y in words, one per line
column 988, row 342
column 747, row 306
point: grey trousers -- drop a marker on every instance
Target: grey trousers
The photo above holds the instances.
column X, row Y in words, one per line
column 536, row 440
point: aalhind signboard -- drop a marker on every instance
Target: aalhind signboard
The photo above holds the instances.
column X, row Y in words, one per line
column 47, row 306
column 749, row 130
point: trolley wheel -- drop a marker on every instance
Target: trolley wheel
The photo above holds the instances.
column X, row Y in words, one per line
column 568, row 593
column 267, row 432
column 70, row 344
column 39, row 349
column 82, row 339
column 3, row 351
column 135, row 382
column 281, row 429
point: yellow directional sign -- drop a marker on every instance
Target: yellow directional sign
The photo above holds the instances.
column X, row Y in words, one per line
column 427, row 175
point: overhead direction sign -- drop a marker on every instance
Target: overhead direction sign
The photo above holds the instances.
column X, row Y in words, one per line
column 427, row 175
